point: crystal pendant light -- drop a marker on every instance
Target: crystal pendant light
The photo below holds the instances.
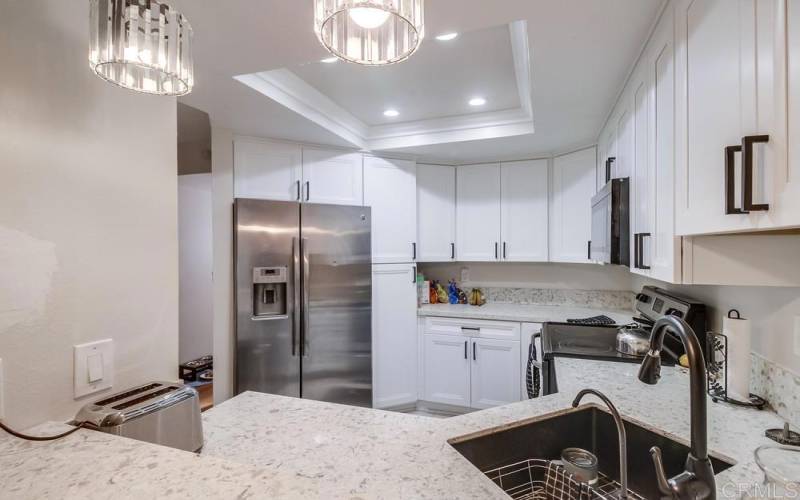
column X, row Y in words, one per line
column 142, row 45
column 370, row 32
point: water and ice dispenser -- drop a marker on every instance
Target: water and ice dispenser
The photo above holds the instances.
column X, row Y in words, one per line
column 269, row 292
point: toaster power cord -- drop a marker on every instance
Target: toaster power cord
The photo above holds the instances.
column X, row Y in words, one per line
column 39, row 438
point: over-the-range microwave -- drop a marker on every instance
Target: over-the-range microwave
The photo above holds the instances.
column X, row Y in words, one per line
column 610, row 242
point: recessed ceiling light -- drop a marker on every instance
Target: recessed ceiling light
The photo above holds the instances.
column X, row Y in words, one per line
column 391, row 113
column 477, row 101
column 329, row 60
column 447, row 37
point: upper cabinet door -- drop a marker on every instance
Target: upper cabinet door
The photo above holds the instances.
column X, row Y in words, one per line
column 571, row 206
column 390, row 188
column 641, row 199
column 266, row 170
column 333, row 177
column 436, row 213
column 524, row 186
column 729, row 71
column 661, row 249
column 787, row 203
column 478, row 212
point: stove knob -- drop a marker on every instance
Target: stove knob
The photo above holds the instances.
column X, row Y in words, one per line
column 640, row 297
column 674, row 312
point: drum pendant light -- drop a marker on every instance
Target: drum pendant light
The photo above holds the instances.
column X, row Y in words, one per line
column 370, row 32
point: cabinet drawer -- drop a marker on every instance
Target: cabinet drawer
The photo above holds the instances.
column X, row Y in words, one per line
column 502, row 330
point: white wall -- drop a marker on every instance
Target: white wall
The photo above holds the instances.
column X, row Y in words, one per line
column 88, row 215
column 533, row 275
column 194, row 244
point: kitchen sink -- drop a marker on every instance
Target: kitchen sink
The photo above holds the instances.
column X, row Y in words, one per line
column 588, row 427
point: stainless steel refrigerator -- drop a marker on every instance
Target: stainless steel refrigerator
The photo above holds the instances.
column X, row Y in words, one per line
column 303, row 299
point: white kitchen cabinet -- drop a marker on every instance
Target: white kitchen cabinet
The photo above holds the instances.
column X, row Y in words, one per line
column 732, row 84
column 436, row 213
column 394, row 335
column 446, row 369
column 266, row 170
column 332, row 177
column 573, row 185
column 641, row 195
column 390, row 189
column 661, row 249
column 478, row 212
column 623, row 163
column 494, row 372
column 470, row 363
column 524, row 200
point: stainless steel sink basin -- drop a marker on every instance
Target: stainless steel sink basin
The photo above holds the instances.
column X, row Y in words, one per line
column 588, row 427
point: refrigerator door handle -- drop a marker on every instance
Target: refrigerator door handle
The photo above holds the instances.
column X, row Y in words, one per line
column 306, row 264
column 295, row 294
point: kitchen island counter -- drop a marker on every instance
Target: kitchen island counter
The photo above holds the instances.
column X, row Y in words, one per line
column 266, row 446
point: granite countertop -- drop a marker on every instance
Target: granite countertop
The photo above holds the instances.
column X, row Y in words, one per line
column 520, row 312
column 260, row 445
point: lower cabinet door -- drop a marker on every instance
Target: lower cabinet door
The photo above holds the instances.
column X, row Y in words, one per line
column 446, row 365
column 495, row 367
column 394, row 335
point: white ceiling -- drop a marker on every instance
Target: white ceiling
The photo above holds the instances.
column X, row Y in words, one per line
column 438, row 81
column 581, row 51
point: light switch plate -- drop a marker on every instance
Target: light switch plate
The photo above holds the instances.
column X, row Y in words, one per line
column 97, row 358
column 797, row 335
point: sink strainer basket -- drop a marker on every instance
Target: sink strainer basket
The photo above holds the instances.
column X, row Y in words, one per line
column 537, row 479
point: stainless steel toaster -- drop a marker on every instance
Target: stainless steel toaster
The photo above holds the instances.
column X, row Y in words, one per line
column 157, row 412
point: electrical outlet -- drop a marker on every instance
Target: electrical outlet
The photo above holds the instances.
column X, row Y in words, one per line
column 797, row 335
column 464, row 275
column 2, row 407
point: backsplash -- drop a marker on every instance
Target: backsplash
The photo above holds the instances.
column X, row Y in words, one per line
column 779, row 386
column 595, row 299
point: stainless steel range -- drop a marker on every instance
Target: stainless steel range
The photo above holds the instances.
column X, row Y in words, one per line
column 591, row 339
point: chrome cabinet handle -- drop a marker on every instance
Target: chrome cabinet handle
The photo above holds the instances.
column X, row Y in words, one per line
column 747, row 173
column 730, row 180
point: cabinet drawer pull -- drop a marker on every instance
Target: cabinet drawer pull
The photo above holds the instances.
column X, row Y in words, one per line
column 474, row 355
column 730, row 180
column 747, row 173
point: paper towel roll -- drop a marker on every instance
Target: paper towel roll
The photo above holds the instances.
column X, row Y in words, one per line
column 737, row 329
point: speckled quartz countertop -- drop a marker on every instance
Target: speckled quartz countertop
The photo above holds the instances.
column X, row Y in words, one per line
column 265, row 446
column 520, row 312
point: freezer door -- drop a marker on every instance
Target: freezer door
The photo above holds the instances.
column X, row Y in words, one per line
column 267, row 323
column 337, row 300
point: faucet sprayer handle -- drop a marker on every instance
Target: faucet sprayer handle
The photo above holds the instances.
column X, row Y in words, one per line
column 661, row 476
